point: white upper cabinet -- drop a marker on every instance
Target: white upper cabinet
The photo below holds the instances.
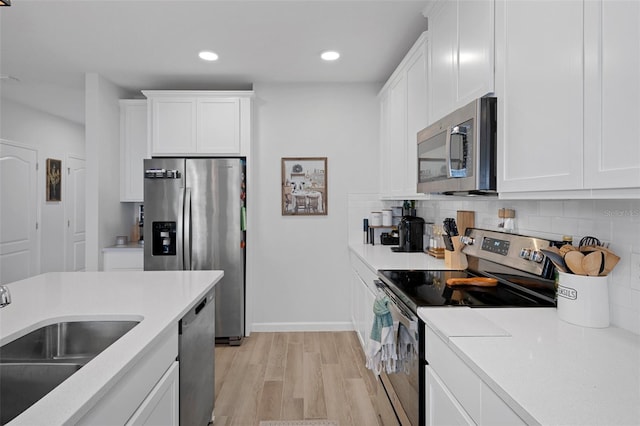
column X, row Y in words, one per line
column 172, row 124
column 133, row 148
column 403, row 112
column 461, row 54
column 539, row 79
column 568, row 98
column 218, row 124
column 476, row 46
column 199, row 122
column 612, row 94
column 442, row 58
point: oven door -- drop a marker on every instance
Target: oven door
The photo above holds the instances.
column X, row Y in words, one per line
column 403, row 387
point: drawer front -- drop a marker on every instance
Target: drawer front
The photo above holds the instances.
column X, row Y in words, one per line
column 366, row 274
column 127, row 260
column 462, row 382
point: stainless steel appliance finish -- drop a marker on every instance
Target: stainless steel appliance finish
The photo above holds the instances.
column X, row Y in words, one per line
column 36, row 363
column 406, row 384
column 524, row 280
column 194, row 221
column 457, row 154
column 196, row 354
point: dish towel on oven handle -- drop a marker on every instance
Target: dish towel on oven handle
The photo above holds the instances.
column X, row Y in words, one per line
column 406, row 349
column 381, row 348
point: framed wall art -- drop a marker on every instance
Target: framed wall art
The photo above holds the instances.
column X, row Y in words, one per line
column 54, row 180
column 304, row 186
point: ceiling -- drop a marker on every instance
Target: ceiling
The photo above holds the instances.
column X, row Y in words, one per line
column 49, row 45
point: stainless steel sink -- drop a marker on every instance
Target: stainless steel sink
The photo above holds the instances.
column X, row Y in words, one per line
column 23, row 384
column 33, row 365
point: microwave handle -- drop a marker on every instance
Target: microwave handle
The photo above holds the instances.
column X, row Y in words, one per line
column 447, row 152
column 450, row 132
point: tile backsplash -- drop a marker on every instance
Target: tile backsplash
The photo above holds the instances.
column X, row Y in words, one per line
column 616, row 222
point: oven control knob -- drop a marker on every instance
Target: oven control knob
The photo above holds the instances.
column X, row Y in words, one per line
column 525, row 253
column 466, row 240
column 537, row 256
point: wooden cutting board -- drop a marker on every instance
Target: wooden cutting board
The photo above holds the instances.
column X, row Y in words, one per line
column 476, row 281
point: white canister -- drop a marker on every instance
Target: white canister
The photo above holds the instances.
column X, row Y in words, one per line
column 375, row 219
column 583, row 300
column 387, row 217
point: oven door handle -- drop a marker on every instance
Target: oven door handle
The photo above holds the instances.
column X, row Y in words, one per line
column 402, row 314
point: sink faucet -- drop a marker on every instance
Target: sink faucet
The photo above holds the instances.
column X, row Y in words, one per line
column 5, row 296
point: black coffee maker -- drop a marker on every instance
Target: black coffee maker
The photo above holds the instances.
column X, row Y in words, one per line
column 410, row 233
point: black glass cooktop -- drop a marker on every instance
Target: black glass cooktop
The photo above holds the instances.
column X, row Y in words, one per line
column 419, row 288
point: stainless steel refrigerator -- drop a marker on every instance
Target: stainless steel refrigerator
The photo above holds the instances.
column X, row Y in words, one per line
column 195, row 219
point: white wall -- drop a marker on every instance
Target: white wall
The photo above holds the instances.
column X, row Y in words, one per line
column 107, row 217
column 300, row 262
column 52, row 137
column 614, row 221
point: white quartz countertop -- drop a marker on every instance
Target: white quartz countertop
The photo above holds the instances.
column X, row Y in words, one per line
column 548, row 371
column 381, row 257
column 157, row 299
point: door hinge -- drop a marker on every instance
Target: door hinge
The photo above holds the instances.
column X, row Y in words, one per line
column 68, row 170
column 36, row 226
column 68, row 223
column 37, row 166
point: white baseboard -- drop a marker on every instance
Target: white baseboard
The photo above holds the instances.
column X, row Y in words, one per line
column 301, row 326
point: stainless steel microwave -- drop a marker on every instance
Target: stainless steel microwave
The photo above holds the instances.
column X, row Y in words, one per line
column 457, row 154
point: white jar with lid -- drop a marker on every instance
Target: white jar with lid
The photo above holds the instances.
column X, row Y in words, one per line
column 387, row 217
column 375, row 219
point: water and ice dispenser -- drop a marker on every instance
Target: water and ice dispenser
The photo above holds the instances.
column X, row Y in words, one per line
column 164, row 238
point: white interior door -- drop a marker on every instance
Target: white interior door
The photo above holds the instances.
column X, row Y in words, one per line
column 19, row 254
column 75, row 214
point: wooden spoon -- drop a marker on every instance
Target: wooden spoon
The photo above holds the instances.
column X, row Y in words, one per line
column 566, row 248
column 610, row 260
column 593, row 263
column 573, row 260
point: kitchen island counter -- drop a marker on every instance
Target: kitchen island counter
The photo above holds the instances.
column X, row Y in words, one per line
column 157, row 299
column 548, row 371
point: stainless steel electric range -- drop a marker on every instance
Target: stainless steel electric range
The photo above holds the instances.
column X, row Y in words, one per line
column 524, row 279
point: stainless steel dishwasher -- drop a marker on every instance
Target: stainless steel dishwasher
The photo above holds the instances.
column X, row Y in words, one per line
column 196, row 356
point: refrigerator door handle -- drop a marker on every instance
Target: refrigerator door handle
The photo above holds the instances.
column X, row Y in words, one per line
column 187, row 229
column 180, row 230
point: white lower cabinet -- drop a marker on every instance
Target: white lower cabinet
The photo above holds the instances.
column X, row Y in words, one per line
column 161, row 408
column 456, row 395
column 140, row 391
column 442, row 408
column 496, row 412
column 123, row 260
column 363, row 294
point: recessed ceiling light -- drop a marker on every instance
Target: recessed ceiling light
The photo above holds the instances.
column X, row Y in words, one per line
column 207, row 55
column 330, row 55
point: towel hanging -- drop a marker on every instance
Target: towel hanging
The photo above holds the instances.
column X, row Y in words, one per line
column 381, row 348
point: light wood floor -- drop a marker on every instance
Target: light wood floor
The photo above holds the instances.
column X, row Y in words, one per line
column 298, row 376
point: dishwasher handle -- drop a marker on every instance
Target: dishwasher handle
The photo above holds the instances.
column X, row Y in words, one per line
column 193, row 314
column 201, row 306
